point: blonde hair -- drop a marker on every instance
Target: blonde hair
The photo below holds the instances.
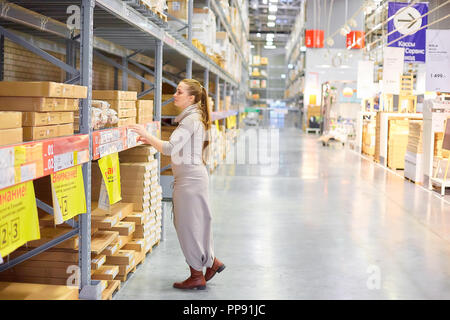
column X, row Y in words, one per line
column 201, row 97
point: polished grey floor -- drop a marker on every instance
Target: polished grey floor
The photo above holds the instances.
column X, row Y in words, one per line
column 327, row 225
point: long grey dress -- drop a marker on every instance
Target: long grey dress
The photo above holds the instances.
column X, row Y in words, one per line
column 192, row 217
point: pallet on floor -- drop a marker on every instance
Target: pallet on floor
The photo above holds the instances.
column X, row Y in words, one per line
column 113, row 286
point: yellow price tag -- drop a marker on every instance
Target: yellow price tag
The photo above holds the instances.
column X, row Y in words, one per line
column 19, row 222
column 217, row 126
column 109, row 166
column 68, row 194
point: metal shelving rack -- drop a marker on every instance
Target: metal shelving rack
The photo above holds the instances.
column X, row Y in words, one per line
column 124, row 29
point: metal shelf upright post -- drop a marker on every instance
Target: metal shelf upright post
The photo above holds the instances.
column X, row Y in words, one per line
column 88, row 289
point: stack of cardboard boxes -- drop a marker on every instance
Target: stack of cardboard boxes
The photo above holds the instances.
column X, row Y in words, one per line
column 47, row 109
column 140, row 186
column 144, row 111
column 204, row 28
column 397, row 142
column 59, row 265
column 10, row 127
column 124, row 102
column 414, row 151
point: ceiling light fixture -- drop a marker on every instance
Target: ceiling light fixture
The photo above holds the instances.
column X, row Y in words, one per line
column 273, row 8
column 271, row 24
column 271, row 17
column 273, row 1
column 258, row 35
column 270, row 47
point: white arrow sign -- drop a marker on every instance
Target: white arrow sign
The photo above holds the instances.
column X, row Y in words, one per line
column 404, row 21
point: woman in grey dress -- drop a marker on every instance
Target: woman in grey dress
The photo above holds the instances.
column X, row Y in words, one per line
column 186, row 146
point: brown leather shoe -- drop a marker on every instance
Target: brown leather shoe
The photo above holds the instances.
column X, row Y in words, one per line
column 195, row 281
column 217, row 267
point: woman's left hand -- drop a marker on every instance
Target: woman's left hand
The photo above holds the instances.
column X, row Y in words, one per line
column 141, row 131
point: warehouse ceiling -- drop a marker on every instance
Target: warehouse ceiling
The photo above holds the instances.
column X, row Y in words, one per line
column 272, row 16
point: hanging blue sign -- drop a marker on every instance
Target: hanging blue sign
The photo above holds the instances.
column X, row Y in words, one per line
column 408, row 22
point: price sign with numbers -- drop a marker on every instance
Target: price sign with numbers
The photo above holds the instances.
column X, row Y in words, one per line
column 68, row 194
column 19, row 221
column 109, row 166
column 438, row 61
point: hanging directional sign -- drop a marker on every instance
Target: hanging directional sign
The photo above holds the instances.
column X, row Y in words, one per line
column 407, row 29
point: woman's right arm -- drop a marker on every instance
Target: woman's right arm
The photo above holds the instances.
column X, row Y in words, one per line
column 147, row 138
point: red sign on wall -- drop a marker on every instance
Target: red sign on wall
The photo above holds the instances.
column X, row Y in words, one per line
column 355, row 40
column 314, row 38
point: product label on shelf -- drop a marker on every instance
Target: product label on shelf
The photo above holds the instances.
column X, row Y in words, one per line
column 392, row 69
column 109, row 166
column 407, row 24
column 68, row 194
column 438, row 61
column 6, row 157
column 7, row 177
column 27, row 172
column 19, row 221
column 63, row 161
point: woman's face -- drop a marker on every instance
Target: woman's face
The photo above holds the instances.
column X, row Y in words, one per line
column 182, row 98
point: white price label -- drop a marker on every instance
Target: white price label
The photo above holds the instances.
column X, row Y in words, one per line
column 6, row 157
column 82, row 156
column 7, row 177
column 63, row 161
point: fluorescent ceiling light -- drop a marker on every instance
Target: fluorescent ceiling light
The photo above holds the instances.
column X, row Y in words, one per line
column 271, row 24
column 283, row 76
column 273, row 8
column 252, row 46
column 269, row 47
column 270, row 35
column 264, row 1
column 269, row 43
column 271, row 17
column 258, row 35
column 273, row 1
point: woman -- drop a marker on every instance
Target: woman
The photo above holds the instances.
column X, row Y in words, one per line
column 192, row 217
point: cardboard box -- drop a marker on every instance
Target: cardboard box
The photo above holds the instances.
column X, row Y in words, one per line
column 123, row 240
column 126, row 113
column 97, row 262
column 122, row 209
column 122, row 257
column 112, row 249
column 45, row 132
column 136, row 245
column 10, row 120
column 104, row 223
column 33, row 291
column 41, row 89
column 10, row 136
column 37, row 119
column 106, row 272
column 137, row 217
column 41, row 104
column 125, row 228
column 102, row 239
column 125, row 122
column 178, row 9
column 114, row 95
column 119, row 105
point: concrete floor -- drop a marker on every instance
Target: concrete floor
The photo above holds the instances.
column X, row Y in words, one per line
column 328, row 225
